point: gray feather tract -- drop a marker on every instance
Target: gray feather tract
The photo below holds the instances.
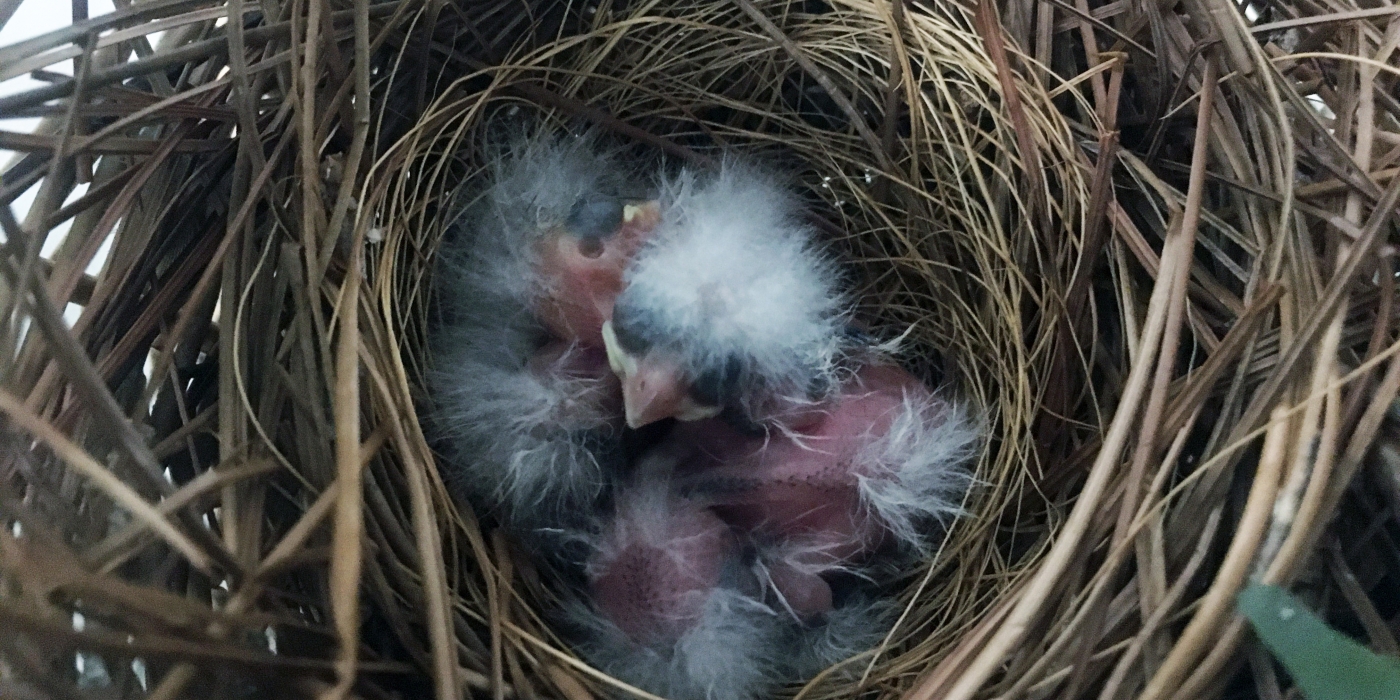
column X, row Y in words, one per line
column 527, row 419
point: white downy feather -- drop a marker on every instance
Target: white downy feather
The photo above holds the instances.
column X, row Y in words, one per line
column 519, row 440
column 916, row 475
column 732, row 270
column 534, row 180
column 731, row 652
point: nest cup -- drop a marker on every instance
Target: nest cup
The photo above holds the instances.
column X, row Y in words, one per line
column 214, row 479
column 925, row 201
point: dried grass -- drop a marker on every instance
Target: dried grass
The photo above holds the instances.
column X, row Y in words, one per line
column 1152, row 244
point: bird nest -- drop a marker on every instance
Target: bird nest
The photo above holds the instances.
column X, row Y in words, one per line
column 1150, row 245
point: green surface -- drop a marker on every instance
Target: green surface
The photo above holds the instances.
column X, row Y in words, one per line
column 1325, row 664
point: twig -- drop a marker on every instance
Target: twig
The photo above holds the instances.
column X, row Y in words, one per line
column 1166, row 363
column 119, row 492
column 349, row 513
column 990, row 28
column 1219, row 600
column 810, row 68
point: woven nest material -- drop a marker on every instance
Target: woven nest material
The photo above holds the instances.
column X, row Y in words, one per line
column 1152, row 245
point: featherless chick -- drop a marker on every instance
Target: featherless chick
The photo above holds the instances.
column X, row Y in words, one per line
column 685, row 605
column 673, row 605
column 881, row 467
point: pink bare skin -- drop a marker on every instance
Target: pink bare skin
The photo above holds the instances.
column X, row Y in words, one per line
column 657, row 566
column 583, row 276
column 656, row 391
column 801, row 488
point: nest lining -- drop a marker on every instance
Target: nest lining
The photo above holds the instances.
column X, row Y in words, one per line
column 929, row 239
column 1117, row 497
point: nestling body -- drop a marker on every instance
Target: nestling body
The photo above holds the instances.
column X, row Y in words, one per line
column 526, row 404
column 800, row 455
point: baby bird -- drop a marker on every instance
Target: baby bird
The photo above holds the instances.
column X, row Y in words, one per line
column 525, row 401
column 682, row 604
column 729, row 309
column 553, row 231
column 675, row 610
column 580, row 264
column 881, row 466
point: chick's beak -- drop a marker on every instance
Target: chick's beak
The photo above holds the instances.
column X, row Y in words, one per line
column 639, row 220
column 652, row 387
column 652, row 393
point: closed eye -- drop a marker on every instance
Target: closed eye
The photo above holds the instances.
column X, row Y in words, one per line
column 595, row 216
column 628, row 336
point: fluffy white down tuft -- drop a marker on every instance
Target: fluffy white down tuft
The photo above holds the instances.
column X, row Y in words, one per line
column 733, row 270
column 917, row 473
column 733, row 652
column 740, row 650
column 645, row 514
